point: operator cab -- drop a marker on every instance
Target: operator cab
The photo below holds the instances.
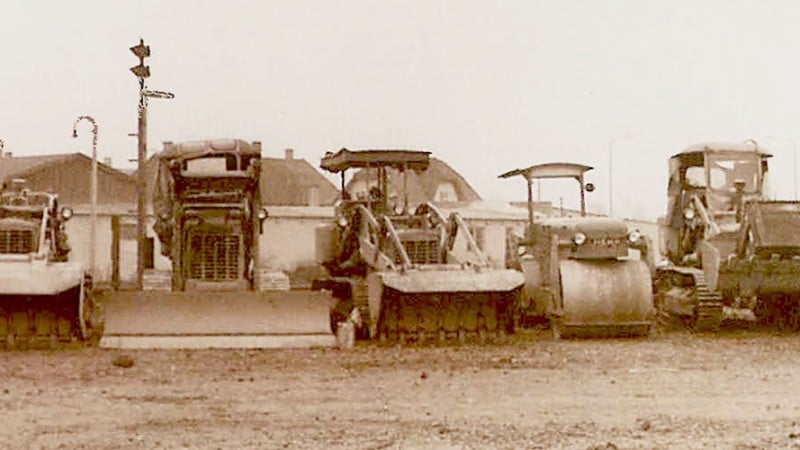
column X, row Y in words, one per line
column 721, row 176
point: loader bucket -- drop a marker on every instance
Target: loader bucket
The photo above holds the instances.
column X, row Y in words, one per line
column 604, row 298
column 442, row 303
column 217, row 319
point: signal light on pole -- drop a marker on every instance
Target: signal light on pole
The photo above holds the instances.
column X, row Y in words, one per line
column 141, row 51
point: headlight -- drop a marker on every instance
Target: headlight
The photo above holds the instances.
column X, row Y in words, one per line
column 66, row 213
column 342, row 221
column 579, row 238
column 262, row 214
column 688, row 213
column 634, row 237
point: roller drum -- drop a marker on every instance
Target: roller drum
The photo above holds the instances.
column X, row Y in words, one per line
column 615, row 295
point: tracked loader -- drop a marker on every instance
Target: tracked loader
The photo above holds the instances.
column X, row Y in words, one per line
column 404, row 274
column 730, row 252
column 580, row 273
column 45, row 299
column 208, row 220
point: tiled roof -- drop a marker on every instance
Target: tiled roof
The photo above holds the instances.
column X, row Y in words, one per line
column 20, row 166
column 422, row 186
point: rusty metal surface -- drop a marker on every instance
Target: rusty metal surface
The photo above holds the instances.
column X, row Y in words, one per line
column 606, row 293
column 754, row 277
column 773, row 226
column 149, row 319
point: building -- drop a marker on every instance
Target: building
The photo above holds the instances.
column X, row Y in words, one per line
column 439, row 184
column 289, row 181
column 69, row 175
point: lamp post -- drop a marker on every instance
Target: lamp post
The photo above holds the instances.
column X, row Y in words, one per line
column 142, row 72
column 93, row 221
column 794, row 159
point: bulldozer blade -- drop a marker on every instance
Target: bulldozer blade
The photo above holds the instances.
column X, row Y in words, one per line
column 217, row 319
column 605, row 298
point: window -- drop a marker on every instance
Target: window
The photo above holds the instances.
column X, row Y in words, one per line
column 211, row 164
column 446, row 192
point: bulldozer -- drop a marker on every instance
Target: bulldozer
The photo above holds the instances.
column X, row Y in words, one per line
column 582, row 274
column 209, row 218
column 45, row 299
column 730, row 252
column 399, row 275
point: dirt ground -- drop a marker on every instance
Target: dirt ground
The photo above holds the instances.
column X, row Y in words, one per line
column 734, row 390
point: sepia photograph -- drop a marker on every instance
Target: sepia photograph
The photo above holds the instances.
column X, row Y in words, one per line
column 399, row 224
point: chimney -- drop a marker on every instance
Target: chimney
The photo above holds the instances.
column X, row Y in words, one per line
column 107, row 161
column 289, row 154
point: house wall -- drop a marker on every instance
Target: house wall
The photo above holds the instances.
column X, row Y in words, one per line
column 79, row 231
column 288, row 242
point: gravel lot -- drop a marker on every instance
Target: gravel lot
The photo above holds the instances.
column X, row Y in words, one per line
column 736, row 389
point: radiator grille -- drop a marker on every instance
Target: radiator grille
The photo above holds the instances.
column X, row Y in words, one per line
column 422, row 251
column 215, row 257
column 18, row 241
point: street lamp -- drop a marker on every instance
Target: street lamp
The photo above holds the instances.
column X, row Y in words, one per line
column 794, row 158
column 142, row 72
column 93, row 221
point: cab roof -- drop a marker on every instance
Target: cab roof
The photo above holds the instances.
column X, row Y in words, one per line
column 198, row 149
column 550, row 170
column 398, row 159
column 721, row 147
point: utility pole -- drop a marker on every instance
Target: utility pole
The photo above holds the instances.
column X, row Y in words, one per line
column 142, row 72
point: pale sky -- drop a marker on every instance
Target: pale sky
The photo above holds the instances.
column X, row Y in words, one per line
column 487, row 86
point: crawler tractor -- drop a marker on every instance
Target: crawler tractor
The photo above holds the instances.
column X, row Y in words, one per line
column 579, row 275
column 730, row 252
column 44, row 298
column 208, row 220
column 401, row 275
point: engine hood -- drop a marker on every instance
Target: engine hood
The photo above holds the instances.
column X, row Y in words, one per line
column 592, row 227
